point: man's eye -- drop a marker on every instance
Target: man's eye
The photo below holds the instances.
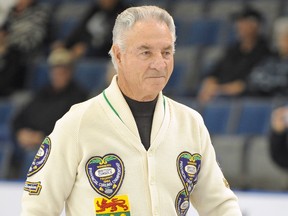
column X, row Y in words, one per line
column 145, row 53
column 167, row 53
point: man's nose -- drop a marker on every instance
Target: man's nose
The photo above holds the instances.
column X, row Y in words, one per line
column 158, row 62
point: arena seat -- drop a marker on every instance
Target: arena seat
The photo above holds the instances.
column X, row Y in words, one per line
column 159, row 3
column 210, row 55
column 230, row 156
column 187, row 10
column 201, row 31
column 65, row 27
column 91, row 74
column 185, row 72
column 66, row 17
column 254, row 118
column 38, row 76
column 188, row 101
column 6, row 109
column 5, row 155
column 223, row 9
column 217, row 115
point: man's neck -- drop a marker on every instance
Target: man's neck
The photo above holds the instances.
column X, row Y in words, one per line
column 135, row 96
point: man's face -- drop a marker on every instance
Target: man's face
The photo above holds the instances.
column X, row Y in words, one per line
column 60, row 77
column 23, row 4
column 107, row 4
column 247, row 28
column 146, row 64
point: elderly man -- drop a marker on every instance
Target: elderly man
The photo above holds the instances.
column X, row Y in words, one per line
column 131, row 150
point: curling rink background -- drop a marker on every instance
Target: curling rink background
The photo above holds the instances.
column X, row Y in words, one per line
column 251, row 203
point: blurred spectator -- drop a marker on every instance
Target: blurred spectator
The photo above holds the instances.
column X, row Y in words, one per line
column 5, row 7
column 21, row 36
column 48, row 105
column 270, row 78
column 228, row 76
column 279, row 137
column 93, row 35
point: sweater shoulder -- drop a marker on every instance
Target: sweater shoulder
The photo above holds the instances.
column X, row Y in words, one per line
column 77, row 111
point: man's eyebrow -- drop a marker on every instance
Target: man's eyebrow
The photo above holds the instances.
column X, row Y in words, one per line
column 168, row 47
column 143, row 47
column 146, row 47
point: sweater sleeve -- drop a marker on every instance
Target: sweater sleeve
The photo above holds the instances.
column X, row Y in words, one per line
column 212, row 195
column 53, row 171
column 279, row 148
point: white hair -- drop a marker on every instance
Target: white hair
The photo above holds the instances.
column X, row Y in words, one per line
column 126, row 20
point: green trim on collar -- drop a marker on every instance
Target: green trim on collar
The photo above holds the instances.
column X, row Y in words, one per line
column 104, row 94
column 164, row 104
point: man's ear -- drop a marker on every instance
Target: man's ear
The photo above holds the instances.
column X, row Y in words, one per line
column 117, row 53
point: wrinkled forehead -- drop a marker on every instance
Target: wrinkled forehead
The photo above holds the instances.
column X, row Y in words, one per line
column 145, row 32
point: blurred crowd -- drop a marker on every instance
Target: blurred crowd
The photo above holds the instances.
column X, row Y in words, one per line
column 255, row 64
column 26, row 34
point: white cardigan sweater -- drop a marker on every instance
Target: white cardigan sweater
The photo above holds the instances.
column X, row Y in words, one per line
column 95, row 164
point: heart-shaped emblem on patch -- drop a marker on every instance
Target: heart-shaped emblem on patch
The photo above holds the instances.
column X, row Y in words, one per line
column 105, row 174
column 188, row 167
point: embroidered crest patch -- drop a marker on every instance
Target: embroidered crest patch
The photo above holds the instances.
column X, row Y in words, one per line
column 41, row 157
column 117, row 206
column 105, row 174
column 182, row 203
column 188, row 167
column 34, row 188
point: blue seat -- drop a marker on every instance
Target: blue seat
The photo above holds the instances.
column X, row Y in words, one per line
column 230, row 35
column 187, row 9
column 216, row 116
column 210, row 56
column 39, row 76
column 185, row 71
column 6, row 109
column 65, row 27
column 199, row 32
column 254, row 118
column 91, row 74
column 5, row 156
column 175, row 86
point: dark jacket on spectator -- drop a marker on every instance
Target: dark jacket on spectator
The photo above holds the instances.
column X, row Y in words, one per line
column 279, row 148
column 269, row 78
column 237, row 65
column 95, row 30
column 47, row 107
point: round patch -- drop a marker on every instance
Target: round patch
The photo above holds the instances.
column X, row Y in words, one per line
column 105, row 174
column 41, row 157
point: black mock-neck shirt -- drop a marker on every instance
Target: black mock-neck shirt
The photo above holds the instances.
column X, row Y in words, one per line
column 143, row 114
